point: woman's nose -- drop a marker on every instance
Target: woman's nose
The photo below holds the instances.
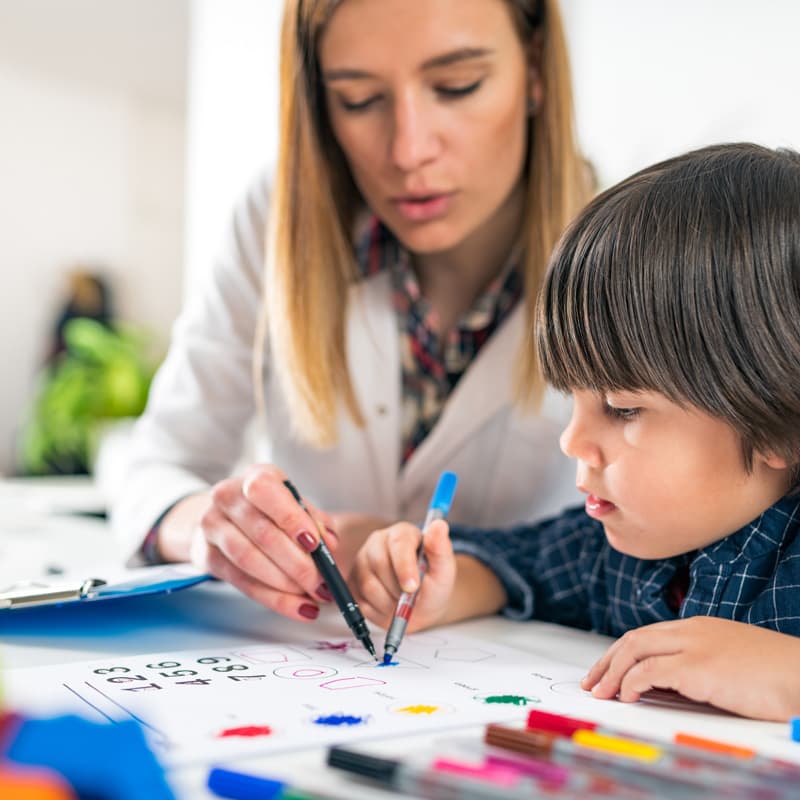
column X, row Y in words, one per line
column 414, row 139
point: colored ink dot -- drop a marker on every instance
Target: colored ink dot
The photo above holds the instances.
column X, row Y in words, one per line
column 387, row 664
column 339, row 719
column 419, row 709
column 507, row 699
column 247, row 731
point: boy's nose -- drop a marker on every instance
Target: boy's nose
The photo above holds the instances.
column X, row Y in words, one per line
column 576, row 443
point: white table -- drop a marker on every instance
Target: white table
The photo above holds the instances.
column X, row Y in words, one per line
column 215, row 616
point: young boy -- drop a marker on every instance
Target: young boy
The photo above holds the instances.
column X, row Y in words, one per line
column 671, row 311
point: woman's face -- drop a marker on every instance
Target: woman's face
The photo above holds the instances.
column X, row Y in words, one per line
column 428, row 100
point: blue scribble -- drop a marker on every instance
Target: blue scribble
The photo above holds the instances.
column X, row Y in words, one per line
column 339, row 719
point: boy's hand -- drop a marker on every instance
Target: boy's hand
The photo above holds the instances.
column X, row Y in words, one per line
column 386, row 566
column 738, row 667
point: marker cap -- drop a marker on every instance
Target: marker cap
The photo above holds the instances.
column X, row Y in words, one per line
column 443, row 495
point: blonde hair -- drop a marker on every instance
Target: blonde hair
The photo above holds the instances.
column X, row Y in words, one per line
column 310, row 261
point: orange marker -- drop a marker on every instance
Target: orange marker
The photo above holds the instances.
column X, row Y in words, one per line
column 33, row 784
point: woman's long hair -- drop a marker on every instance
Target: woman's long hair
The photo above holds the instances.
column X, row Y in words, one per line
column 310, row 262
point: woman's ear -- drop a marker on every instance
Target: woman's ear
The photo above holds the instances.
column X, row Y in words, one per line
column 534, row 84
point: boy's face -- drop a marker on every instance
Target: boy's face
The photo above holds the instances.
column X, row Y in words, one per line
column 662, row 479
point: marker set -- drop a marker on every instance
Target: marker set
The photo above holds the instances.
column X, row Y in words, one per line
column 559, row 756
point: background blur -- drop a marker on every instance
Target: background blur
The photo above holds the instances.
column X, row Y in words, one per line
column 129, row 127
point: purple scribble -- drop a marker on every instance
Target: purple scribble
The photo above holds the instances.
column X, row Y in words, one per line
column 339, row 719
column 341, row 647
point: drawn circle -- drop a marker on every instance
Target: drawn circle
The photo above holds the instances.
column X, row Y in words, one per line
column 305, row 672
column 421, row 709
column 571, row 688
column 507, row 699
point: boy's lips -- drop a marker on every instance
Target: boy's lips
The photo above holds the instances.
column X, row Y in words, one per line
column 597, row 507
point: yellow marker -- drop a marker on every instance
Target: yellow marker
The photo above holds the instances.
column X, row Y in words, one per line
column 621, row 747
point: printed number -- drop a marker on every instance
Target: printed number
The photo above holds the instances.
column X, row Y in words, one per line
column 229, row 668
column 126, row 678
column 104, row 670
column 142, row 688
column 195, row 682
column 212, row 659
column 245, row 677
column 177, row 673
column 163, row 665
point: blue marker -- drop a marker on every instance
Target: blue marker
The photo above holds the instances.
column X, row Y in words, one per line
column 241, row 786
column 438, row 509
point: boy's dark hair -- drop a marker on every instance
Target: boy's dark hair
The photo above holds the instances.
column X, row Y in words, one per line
column 684, row 279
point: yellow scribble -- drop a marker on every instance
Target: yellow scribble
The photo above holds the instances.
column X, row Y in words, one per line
column 419, row 709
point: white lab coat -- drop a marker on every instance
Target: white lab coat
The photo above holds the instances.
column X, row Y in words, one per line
column 509, row 465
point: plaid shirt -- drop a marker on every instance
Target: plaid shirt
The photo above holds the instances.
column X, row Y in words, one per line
column 563, row 570
column 431, row 365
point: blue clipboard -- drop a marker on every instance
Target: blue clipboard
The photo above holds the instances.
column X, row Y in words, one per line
column 124, row 583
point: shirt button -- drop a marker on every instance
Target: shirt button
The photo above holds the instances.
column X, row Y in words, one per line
column 382, row 410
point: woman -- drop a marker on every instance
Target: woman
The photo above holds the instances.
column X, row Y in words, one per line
column 427, row 166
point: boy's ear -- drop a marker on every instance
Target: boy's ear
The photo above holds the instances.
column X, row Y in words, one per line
column 773, row 460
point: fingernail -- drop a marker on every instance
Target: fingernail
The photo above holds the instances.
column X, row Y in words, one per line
column 410, row 585
column 306, row 541
column 308, row 611
column 324, row 592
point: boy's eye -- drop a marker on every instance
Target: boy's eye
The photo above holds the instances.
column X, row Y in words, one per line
column 624, row 414
column 459, row 91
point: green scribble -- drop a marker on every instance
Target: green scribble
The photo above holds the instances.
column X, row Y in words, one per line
column 507, row 699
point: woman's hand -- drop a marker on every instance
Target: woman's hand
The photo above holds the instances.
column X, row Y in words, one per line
column 251, row 532
column 741, row 668
column 386, row 566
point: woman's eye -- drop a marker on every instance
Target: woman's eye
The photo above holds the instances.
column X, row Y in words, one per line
column 459, row 91
column 358, row 105
column 624, row 414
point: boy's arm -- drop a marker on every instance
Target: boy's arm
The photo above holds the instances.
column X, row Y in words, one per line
column 552, row 569
column 547, row 570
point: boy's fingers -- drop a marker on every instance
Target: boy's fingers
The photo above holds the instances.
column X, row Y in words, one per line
column 438, row 547
column 402, row 541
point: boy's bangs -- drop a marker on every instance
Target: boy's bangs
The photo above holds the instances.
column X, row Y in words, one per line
column 597, row 313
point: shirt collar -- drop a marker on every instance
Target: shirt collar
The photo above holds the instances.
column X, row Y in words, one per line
column 764, row 535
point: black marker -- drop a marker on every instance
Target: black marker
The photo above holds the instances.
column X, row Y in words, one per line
column 323, row 559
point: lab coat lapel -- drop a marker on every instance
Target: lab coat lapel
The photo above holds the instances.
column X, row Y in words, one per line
column 373, row 353
column 484, row 388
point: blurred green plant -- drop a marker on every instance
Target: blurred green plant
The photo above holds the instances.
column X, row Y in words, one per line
column 103, row 374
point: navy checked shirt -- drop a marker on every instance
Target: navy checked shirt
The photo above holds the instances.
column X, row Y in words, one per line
column 564, row 570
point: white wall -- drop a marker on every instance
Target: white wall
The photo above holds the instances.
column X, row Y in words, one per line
column 232, row 113
column 654, row 78
column 87, row 175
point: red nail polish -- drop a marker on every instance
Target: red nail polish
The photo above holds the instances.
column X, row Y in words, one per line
column 306, row 541
column 324, row 592
column 308, row 611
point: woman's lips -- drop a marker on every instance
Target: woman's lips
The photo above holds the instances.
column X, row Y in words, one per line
column 424, row 207
column 597, row 507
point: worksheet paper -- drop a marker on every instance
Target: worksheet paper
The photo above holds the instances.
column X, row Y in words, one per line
column 219, row 703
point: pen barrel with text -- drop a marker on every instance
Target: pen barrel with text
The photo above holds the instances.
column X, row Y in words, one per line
column 323, row 559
